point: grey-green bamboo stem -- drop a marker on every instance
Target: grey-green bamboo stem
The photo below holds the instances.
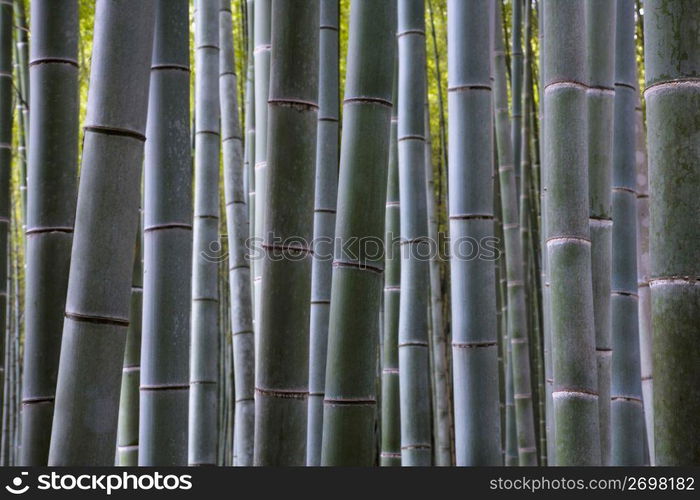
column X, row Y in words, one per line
column 204, row 348
column 645, row 337
column 672, row 57
column 237, row 228
column 350, row 401
column 99, row 285
column 474, row 336
column 442, row 407
column 575, row 391
column 282, row 378
column 128, row 425
column 414, row 376
column 627, row 417
column 600, row 67
column 6, row 92
column 390, row 454
column 324, row 222
column 51, row 214
column 167, row 294
column 261, row 54
column 517, row 324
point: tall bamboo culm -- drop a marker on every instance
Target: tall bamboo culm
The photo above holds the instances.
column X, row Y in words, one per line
column 516, row 88
column 249, row 125
column 414, row 376
column 471, row 212
column 324, row 222
column 261, row 54
column 600, row 67
column 440, row 384
column 517, row 320
column 390, row 454
column 128, row 425
column 282, row 377
column 50, row 214
column 350, row 400
column 23, row 92
column 97, row 304
column 204, row 348
column 627, row 425
column 6, row 91
column 237, row 228
column 504, row 151
column 167, row 295
column 568, row 247
column 645, row 337
column 672, row 57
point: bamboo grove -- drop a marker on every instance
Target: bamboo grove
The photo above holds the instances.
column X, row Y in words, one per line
column 349, row 232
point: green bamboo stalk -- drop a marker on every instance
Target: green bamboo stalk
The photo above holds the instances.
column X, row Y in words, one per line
column 645, row 337
column 575, row 394
column 504, row 153
column 167, row 295
column 474, row 336
column 249, row 123
column 350, row 401
column 6, row 91
column 600, row 67
column 261, row 54
column 672, row 61
column 204, row 348
column 128, row 425
column 50, row 214
column 414, row 377
column 237, row 228
column 544, row 265
column 97, row 304
column 324, row 223
column 440, row 389
column 390, row 454
column 282, row 379
column 627, row 427
column 22, row 69
column 516, row 88
column 501, row 304
column 518, row 348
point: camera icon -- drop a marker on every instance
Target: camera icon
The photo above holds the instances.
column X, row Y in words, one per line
column 16, row 487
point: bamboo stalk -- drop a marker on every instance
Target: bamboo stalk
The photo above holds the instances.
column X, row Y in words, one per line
column 204, row 348
column 350, row 401
column 128, row 424
column 22, row 69
column 390, row 454
column 575, row 391
column 414, row 376
column 324, row 223
column 627, row 410
column 237, row 228
column 167, row 295
column 50, row 215
column 600, row 65
column 645, row 336
column 442, row 413
column 249, row 123
column 672, row 62
column 516, row 88
column 474, row 336
column 6, row 92
column 282, row 379
column 261, row 54
column 97, row 304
